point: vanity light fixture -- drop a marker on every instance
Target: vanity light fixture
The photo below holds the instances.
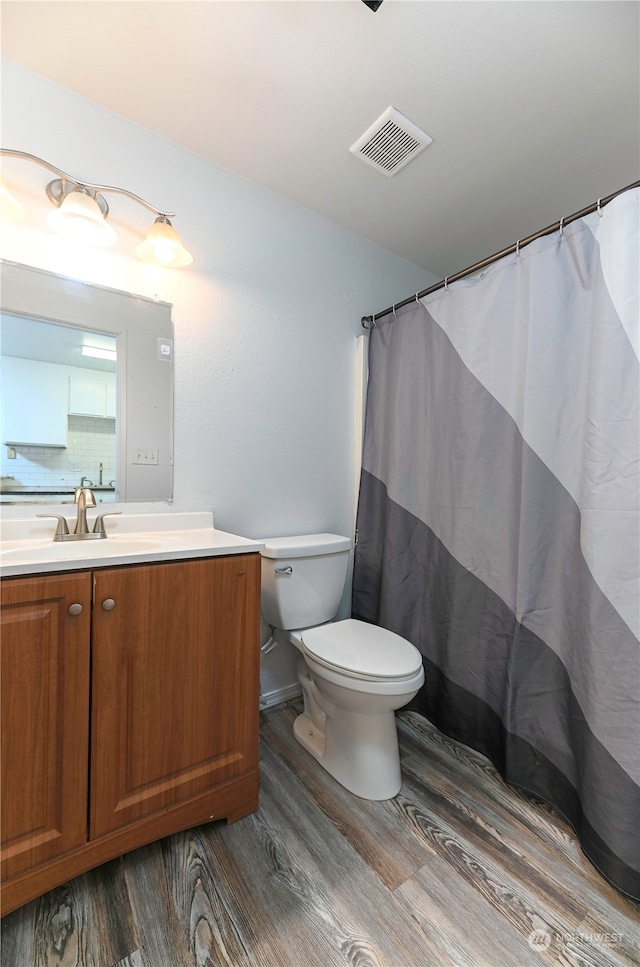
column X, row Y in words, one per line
column 162, row 245
column 79, row 217
column 81, row 213
column 10, row 207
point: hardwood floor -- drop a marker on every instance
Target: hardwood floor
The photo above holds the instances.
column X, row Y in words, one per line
column 458, row 871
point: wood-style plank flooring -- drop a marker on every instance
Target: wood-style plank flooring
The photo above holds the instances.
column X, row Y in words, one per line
column 458, row 871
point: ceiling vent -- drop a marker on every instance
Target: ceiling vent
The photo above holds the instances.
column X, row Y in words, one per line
column 390, row 143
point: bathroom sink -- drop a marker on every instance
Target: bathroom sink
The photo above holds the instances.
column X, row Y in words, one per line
column 27, row 546
column 132, row 544
column 38, row 552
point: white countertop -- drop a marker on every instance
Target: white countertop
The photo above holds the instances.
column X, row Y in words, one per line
column 27, row 546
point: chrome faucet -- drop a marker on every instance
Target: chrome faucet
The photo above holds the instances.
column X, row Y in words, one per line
column 84, row 498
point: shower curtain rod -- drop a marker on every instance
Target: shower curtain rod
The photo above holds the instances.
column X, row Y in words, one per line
column 368, row 321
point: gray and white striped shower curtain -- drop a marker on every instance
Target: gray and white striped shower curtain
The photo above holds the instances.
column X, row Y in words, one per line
column 498, row 518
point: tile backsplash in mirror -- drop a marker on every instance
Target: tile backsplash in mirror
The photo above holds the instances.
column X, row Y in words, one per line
column 91, row 441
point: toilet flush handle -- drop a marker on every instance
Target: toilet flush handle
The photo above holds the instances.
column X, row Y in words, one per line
column 284, row 570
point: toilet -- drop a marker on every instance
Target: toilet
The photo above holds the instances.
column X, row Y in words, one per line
column 354, row 675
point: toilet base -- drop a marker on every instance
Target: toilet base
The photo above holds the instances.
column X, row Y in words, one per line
column 309, row 736
column 364, row 758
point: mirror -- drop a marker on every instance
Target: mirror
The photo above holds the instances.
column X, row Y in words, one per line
column 68, row 417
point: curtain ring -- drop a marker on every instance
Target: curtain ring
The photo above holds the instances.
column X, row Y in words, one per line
column 417, row 299
column 394, row 309
column 561, row 227
column 446, row 283
column 518, row 249
column 598, row 209
column 373, row 321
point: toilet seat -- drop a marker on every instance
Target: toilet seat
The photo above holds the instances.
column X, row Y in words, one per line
column 362, row 651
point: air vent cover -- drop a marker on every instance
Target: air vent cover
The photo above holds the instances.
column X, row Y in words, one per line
column 390, row 143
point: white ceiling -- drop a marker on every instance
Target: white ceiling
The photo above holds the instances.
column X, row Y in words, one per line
column 533, row 107
column 53, row 343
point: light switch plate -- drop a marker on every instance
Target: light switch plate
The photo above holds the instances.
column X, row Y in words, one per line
column 147, row 455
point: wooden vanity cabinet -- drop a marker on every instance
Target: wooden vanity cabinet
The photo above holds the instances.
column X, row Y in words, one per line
column 159, row 735
column 174, row 689
column 45, row 718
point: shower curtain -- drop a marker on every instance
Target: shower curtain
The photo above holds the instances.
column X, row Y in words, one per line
column 498, row 518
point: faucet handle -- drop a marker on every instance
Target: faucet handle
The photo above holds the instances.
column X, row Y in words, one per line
column 98, row 527
column 62, row 527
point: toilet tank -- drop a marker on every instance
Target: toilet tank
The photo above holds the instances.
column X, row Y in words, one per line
column 303, row 579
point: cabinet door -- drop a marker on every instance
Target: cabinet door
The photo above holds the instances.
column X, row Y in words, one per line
column 87, row 393
column 175, row 675
column 45, row 718
column 34, row 418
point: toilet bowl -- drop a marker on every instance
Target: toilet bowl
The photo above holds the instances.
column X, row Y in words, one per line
column 354, row 675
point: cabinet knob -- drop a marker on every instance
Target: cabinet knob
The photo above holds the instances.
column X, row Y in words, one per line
column 108, row 604
column 75, row 609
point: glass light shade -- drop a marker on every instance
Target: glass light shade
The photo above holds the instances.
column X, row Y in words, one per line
column 79, row 219
column 10, row 208
column 162, row 246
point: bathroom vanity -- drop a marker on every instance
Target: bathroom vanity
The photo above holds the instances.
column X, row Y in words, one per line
column 130, row 694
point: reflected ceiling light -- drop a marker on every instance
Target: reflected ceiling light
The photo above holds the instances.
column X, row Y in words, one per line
column 98, row 353
column 10, row 208
column 81, row 212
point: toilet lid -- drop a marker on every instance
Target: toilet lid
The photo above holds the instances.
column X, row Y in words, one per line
column 362, row 649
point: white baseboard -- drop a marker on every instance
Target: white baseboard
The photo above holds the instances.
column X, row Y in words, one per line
column 279, row 695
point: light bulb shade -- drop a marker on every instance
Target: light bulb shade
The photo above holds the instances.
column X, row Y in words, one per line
column 79, row 219
column 10, row 208
column 162, row 246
